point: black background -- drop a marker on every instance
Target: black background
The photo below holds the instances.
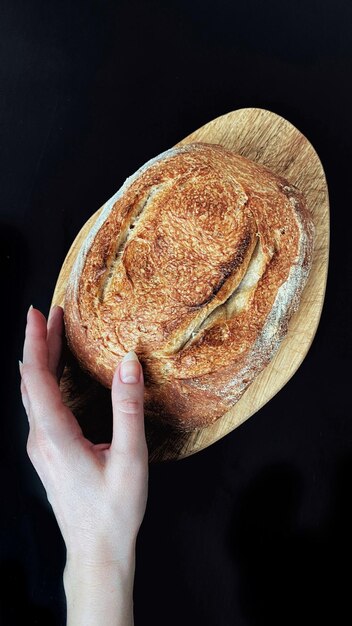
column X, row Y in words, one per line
column 256, row 528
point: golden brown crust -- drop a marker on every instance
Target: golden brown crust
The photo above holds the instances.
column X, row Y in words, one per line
column 197, row 264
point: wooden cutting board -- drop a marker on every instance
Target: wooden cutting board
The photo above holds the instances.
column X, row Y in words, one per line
column 269, row 139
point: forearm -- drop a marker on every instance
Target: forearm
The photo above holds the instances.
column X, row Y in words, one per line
column 99, row 595
column 98, row 492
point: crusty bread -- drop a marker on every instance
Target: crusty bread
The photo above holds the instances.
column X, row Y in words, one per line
column 197, row 263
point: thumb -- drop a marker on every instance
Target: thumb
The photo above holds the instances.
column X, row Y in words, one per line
column 127, row 403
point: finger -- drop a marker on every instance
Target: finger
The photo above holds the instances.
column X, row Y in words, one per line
column 63, row 357
column 43, row 396
column 24, row 394
column 54, row 340
column 35, row 348
column 127, row 403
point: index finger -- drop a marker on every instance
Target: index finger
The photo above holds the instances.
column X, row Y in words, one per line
column 35, row 349
column 46, row 407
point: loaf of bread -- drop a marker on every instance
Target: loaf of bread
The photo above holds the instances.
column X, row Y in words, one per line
column 197, row 263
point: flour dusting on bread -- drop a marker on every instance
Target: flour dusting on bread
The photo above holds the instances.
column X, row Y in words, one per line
column 197, row 263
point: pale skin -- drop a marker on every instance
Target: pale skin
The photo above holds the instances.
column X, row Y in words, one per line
column 98, row 492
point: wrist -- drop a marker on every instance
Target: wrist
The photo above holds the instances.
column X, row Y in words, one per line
column 99, row 592
column 98, row 565
column 101, row 554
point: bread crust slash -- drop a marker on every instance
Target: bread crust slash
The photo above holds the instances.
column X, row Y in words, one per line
column 197, row 263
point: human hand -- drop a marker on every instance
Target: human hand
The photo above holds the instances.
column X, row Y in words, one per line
column 98, row 492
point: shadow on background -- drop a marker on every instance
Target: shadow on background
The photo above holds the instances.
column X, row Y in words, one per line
column 208, row 556
column 289, row 574
column 31, row 549
column 31, row 566
column 16, row 606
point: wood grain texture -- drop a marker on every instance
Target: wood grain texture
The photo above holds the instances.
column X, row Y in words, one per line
column 271, row 140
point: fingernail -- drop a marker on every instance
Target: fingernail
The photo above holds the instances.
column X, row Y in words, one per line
column 20, row 365
column 54, row 311
column 30, row 308
column 130, row 369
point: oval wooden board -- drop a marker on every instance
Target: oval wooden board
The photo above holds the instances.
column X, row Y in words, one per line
column 269, row 139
